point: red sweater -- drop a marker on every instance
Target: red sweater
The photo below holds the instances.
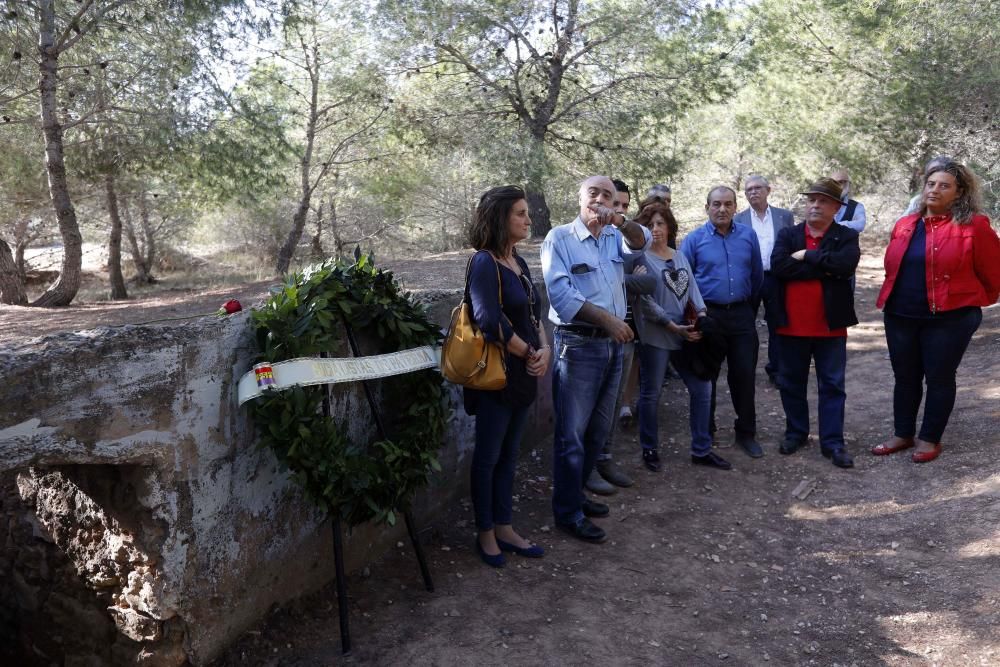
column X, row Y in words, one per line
column 963, row 262
column 804, row 304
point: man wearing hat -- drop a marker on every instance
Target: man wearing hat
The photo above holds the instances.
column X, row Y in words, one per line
column 814, row 263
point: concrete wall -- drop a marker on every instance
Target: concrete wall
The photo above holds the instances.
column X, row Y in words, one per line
column 134, row 467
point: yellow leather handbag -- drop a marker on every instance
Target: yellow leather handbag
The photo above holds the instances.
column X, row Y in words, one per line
column 467, row 358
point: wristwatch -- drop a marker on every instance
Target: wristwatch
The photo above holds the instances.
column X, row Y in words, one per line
column 625, row 221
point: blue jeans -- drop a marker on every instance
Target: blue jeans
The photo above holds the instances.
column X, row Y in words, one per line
column 498, row 438
column 928, row 349
column 700, row 410
column 628, row 353
column 652, row 365
column 585, row 380
column 830, row 355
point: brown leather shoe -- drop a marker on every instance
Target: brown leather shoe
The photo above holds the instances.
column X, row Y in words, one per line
column 926, row 457
column 892, row 446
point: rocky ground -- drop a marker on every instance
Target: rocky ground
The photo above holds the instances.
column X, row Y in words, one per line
column 890, row 563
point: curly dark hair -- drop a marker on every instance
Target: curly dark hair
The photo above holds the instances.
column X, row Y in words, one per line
column 489, row 225
column 645, row 218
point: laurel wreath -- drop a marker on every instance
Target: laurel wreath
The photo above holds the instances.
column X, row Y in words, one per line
column 304, row 317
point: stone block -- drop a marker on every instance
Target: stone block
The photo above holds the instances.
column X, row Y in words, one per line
column 137, row 627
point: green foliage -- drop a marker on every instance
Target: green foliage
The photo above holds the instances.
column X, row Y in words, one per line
column 540, row 88
column 304, row 318
column 877, row 85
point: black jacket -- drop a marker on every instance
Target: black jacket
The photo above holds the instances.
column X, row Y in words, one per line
column 704, row 357
column 833, row 264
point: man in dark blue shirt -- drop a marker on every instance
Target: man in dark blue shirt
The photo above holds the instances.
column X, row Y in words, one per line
column 726, row 262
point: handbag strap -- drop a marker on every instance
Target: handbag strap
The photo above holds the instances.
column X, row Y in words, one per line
column 468, row 272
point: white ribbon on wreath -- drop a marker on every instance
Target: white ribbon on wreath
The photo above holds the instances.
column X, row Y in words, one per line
column 308, row 371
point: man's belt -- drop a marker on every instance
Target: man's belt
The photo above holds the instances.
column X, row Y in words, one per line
column 726, row 306
column 583, row 330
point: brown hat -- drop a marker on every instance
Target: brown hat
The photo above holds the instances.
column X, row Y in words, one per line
column 825, row 186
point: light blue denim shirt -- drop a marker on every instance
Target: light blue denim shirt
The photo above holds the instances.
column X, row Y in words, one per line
column 579, row 268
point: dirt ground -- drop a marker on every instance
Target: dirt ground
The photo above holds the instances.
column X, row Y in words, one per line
column 890, row 563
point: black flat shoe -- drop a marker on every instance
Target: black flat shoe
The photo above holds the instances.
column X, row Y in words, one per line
column 791, row 446
column 583, row 530
column 533, row 551
column 712, row 460
column 751, row 447
column 497, row 560
column 651, row 459
column 594, row 509
column 839, row 457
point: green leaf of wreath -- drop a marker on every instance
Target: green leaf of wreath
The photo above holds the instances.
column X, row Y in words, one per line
column 360, row 481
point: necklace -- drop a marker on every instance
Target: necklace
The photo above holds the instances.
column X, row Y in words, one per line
column 510, row 263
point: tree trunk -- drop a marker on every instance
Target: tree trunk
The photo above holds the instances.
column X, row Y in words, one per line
column 22, row 270
column 317, row 244
column 305, row 163
column 142, row 276
column 538, row 209
column 148, row 235
column 64, row 289
column 11, row 285
column 288, row 249
column 541, row 221
column 118, row 291
column 22, row 238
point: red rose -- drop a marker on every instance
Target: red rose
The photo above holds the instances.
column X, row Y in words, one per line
column 230, row 307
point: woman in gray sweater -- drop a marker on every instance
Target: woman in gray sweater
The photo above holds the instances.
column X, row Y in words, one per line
column 662, row 320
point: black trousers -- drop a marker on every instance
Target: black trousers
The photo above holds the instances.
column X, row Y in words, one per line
column 737, row 324
column 927, row 350
column 769, row 294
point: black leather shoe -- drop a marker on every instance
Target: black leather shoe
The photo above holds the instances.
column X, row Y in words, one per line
column 751, row 447
column 712, row 460
column 583, row 530
column 839, row 457
column 791, row 446
column 594, row 509
column 651, row 459
column 610, row 471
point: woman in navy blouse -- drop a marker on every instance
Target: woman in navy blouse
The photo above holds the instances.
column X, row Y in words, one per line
column 496, row 270
column 942, row 266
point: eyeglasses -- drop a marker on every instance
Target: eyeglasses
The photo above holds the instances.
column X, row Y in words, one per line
column 529, row 289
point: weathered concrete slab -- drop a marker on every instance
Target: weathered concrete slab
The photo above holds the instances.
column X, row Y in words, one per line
column 134, row 462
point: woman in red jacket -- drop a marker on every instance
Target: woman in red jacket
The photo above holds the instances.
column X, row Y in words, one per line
column 941, row 266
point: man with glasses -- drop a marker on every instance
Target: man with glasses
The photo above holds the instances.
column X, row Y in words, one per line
column 766, row 221
column 852, row 212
